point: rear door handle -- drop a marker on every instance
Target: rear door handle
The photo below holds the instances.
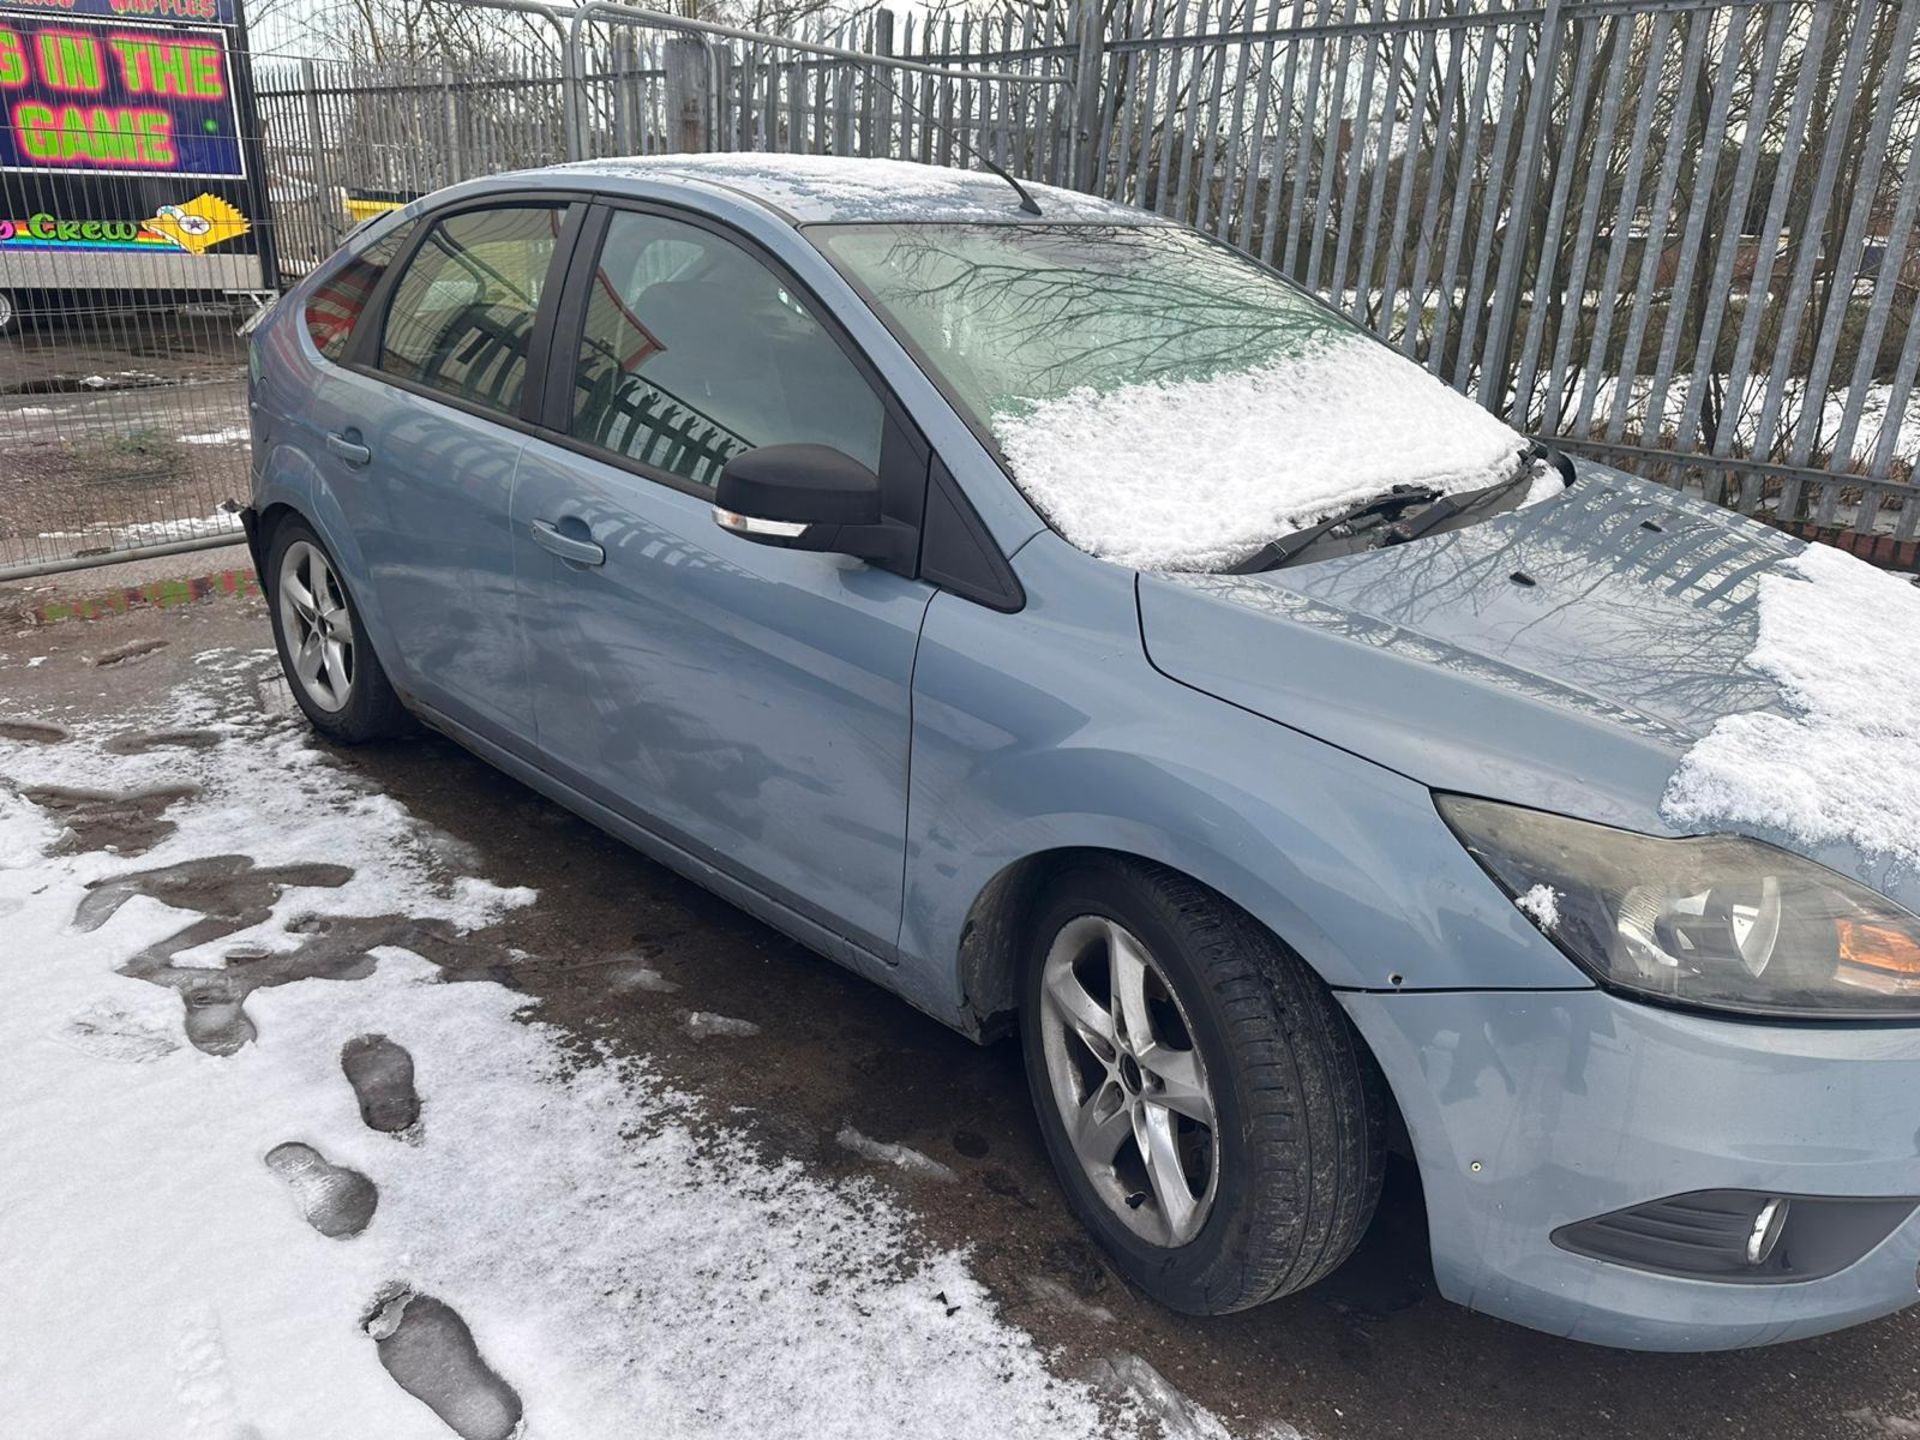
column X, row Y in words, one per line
column 580, row 552
column 349, row 450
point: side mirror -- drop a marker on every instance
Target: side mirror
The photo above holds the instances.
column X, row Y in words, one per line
column 809, row 497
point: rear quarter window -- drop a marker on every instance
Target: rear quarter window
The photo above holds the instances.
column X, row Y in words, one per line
column 334, row 309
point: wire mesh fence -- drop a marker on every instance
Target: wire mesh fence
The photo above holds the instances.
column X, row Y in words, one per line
column 1673, row 233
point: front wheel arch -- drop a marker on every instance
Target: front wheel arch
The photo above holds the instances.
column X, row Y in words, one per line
column 998, row 926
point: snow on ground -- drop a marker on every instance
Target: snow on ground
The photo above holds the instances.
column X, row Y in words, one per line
column 626, row 1266
column 155, row 532
column 1839, row 762
column 1198, row 474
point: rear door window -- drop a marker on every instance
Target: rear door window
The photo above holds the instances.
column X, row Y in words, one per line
column 692, row 350
column 463, row 310
column 335, row 307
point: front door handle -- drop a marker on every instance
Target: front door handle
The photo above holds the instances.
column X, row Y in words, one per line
column 349, row 448
column 580, row 552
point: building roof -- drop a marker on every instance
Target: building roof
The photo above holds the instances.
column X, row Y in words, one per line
column 812, row 189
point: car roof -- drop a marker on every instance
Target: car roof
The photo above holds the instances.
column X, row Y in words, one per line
column 832, row 189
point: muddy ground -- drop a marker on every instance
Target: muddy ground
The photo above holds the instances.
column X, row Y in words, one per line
column 1372, row 1352
column 119, row 430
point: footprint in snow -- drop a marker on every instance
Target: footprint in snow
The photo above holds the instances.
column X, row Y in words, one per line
column 31, row 732
column 108, row 1032
column 381, row 1074
column 336, row 1201
column 431, row 1354
column 141, row 742
column 217, row 1020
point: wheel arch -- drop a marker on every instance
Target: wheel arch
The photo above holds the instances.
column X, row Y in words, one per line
column 291, row 486
column 996, row 924
column 996, row 928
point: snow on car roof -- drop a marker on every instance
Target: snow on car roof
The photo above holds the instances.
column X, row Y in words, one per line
column 813, row 189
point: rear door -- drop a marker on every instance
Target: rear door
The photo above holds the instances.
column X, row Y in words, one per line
column 750, row 705
column 427, row 428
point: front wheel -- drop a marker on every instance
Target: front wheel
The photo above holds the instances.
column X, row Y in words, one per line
column 1208, row 1108
column 336, row 678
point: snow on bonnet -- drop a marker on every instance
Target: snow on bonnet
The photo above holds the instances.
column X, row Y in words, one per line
column 1839, row 761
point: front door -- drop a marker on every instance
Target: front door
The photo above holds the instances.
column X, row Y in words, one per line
column 747, row 704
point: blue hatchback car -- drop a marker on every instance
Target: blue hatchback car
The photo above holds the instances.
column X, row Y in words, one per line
column 1069, row 624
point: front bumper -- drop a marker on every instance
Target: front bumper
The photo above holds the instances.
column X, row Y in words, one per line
column 1531, row 1110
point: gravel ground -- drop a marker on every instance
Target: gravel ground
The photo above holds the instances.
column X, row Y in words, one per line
column 835, row 1072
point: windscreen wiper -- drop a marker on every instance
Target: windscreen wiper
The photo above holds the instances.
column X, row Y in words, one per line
column 1341, row 526
column 1452, row 507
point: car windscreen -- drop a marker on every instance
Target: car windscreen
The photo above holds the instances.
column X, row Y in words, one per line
column 1164, row 401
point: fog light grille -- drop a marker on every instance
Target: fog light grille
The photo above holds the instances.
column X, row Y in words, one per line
column 1743, row 1236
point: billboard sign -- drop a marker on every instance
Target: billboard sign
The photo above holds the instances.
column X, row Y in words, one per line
column 201, row 12
column 87, row 97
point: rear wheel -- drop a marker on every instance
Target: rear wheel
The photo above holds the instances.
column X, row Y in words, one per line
column 1209, row 1109
column 336, row 678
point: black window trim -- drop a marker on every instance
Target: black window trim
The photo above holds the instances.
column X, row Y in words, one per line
column 364, row 349
column 570, row 326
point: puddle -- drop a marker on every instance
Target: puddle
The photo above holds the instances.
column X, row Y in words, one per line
column 232, row 895
column 129, row 823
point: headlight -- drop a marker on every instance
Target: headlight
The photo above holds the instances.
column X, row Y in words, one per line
column 1720, row 922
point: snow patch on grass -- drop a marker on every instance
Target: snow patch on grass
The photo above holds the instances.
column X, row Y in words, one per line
column 1198, row 474
column 1839, row 761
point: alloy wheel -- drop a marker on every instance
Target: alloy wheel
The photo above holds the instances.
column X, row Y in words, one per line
column 318, row 626
column 1127, row 1080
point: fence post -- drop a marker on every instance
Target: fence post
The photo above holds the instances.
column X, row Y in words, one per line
column 688, row 72
column 1087, row 64
column 1506, row 295
column 572, row 97
column 456, row 168
column 331, row 215
column 882, row 45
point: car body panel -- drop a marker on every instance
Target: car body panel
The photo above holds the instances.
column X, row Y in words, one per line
column 1048, row 729
column 1529, row 1111
column 755, row 701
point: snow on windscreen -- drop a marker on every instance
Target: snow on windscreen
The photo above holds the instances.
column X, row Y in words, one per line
column 1196, row 474
column 1840, row 762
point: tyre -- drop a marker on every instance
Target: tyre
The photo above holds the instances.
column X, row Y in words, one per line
column 1211, row 1113
column 336, row 678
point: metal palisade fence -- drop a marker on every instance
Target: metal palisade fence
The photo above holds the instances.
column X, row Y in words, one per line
column 1675, row 234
